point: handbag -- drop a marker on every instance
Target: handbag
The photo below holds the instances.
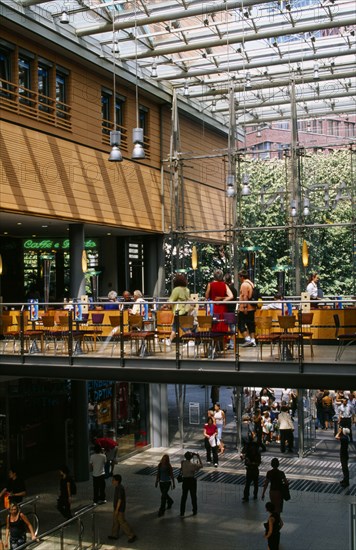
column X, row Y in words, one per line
column 285, row 490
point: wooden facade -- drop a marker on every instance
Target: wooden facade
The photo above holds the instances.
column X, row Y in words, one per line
column 54, row 158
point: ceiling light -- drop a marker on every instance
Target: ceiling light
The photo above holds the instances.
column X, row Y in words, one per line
column 316, row 71
column 64, row 18
column 306, row 204
column 115, row 140
column 186, row 89
column 19, row 223
column 138, row 152
column 213, row 106
column 293, row 208
column 154, row 70
column 248, row 80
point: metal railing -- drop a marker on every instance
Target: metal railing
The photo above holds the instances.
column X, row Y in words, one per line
column 73, row 531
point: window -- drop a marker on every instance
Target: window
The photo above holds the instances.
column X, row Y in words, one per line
column 61, row 92
column 5, row 69
column 43, row 85
column 143, row 120
column 24, row 68
column 119, row 106
column 105, row 112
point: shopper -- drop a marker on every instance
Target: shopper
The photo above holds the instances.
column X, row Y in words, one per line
column 286, row 429
column 272, row 527
column 251, row 455
column 211, row 441
column 165, row 480
column 189, row 484
column 97, row 465
column 17, row 525
column 119, row 520
column 343, row 436
column 15, row 488
column 275, row 478
column 65, row 492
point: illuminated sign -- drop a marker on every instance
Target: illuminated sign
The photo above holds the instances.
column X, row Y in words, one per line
column 49, row 244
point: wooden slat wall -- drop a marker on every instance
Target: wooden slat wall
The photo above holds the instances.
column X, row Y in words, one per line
column 66, row 173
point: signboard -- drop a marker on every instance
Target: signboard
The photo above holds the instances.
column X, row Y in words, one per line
column 104, row 410
column 194, row 413
column 54, row 244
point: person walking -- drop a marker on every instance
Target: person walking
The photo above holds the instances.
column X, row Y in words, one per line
column 219, row 419
column 189, row 484
column 65, row 492
column 17, row 525
column 345, row 413
column 219, row 291
column 97, row 465
column 273, row 527
column 343, row 436
column 119, row 521
column 286, row 429
column 275, row 478
column 251, row 454
column 165, row 479
column 210, row 441
column 15, row 488
column 246, row 318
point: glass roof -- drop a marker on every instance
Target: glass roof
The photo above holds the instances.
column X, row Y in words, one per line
column 210, row 50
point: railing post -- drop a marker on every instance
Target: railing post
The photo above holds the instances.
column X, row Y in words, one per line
column 176, row 320
column 70, row 333
column 80, row 535
column 237, row 354
column 353, row 526
column 300, row 343
column 122, row 339
column 62, row 539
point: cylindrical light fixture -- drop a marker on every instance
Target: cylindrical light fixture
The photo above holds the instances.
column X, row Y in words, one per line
column 84, row 261
column 293, row 208
column 115, row 140
column 305, row 254
column 194, row 257
column 306, row 204
column 1, row 267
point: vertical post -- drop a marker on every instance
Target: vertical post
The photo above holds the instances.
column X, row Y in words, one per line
column 80, row 428
column 77, row 281
column 352, row 526
column 300, row 405
column 238, row 406
column 294, row 192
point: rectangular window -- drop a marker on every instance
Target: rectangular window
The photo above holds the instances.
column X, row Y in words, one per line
column 105, row 112
column 43, row 85
column 5, row 73
column 143, row 119
column 61, row 93
column 119, row 107
column 24, row 79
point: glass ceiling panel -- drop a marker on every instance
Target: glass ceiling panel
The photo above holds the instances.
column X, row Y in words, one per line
column 205, row 49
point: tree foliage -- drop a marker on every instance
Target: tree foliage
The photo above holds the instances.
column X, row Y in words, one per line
column 327, row 180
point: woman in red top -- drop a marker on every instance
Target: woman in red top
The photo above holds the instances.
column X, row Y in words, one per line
column 210, row 440
column 218, row 291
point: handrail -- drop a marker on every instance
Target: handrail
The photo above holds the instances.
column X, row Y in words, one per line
column 77, row 515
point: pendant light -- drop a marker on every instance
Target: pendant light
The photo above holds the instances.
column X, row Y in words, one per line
column 138, row 152
column 115, row 135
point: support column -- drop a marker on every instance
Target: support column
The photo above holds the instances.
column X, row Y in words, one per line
column 80, row 430
column 300, row 403
column 109, row 276
column 77, row 280
column 154, row 267
column 159, row 415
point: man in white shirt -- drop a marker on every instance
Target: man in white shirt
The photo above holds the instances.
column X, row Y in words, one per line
column 97, row 465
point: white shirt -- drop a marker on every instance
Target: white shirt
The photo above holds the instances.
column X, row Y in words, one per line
column 312, row 289
column 98, row 461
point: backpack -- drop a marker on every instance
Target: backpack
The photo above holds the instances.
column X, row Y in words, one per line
column 256, row 296
column 73, row 487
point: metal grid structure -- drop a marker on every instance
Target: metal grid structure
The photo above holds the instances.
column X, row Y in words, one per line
column 205, row 50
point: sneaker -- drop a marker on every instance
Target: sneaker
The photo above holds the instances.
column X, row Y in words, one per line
column 215, row 465
column 132, row 539
column 246, row 344
column 249, row 344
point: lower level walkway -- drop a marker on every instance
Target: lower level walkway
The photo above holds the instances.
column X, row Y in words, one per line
column 317, row 516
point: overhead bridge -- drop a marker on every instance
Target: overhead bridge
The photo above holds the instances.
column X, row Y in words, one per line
column 316, row 373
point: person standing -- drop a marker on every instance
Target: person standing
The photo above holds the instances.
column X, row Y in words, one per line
column 189, row 484
column 343, row 436
column 246, row 320
column 65, row 492
column 97, row 465
column 119, row 521
column 345, row 415
column 273, row 527
column 286, row 429
column 210, row 441
column 165, row 479
column 218, row 291
column 231, row 307
column 15, row 488
column 276, row 478
column 252, row 456
column 219, row 419
column 312, row 288
column 17, row 525
column 180, row 294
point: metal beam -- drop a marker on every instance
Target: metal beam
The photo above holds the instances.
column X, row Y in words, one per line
column 126, row 21
column 241, row 38
column 262, row 63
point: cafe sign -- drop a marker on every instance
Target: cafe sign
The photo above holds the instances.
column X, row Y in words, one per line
column 59, row 244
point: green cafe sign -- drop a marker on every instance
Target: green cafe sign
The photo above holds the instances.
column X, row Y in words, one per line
column 58, row 244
